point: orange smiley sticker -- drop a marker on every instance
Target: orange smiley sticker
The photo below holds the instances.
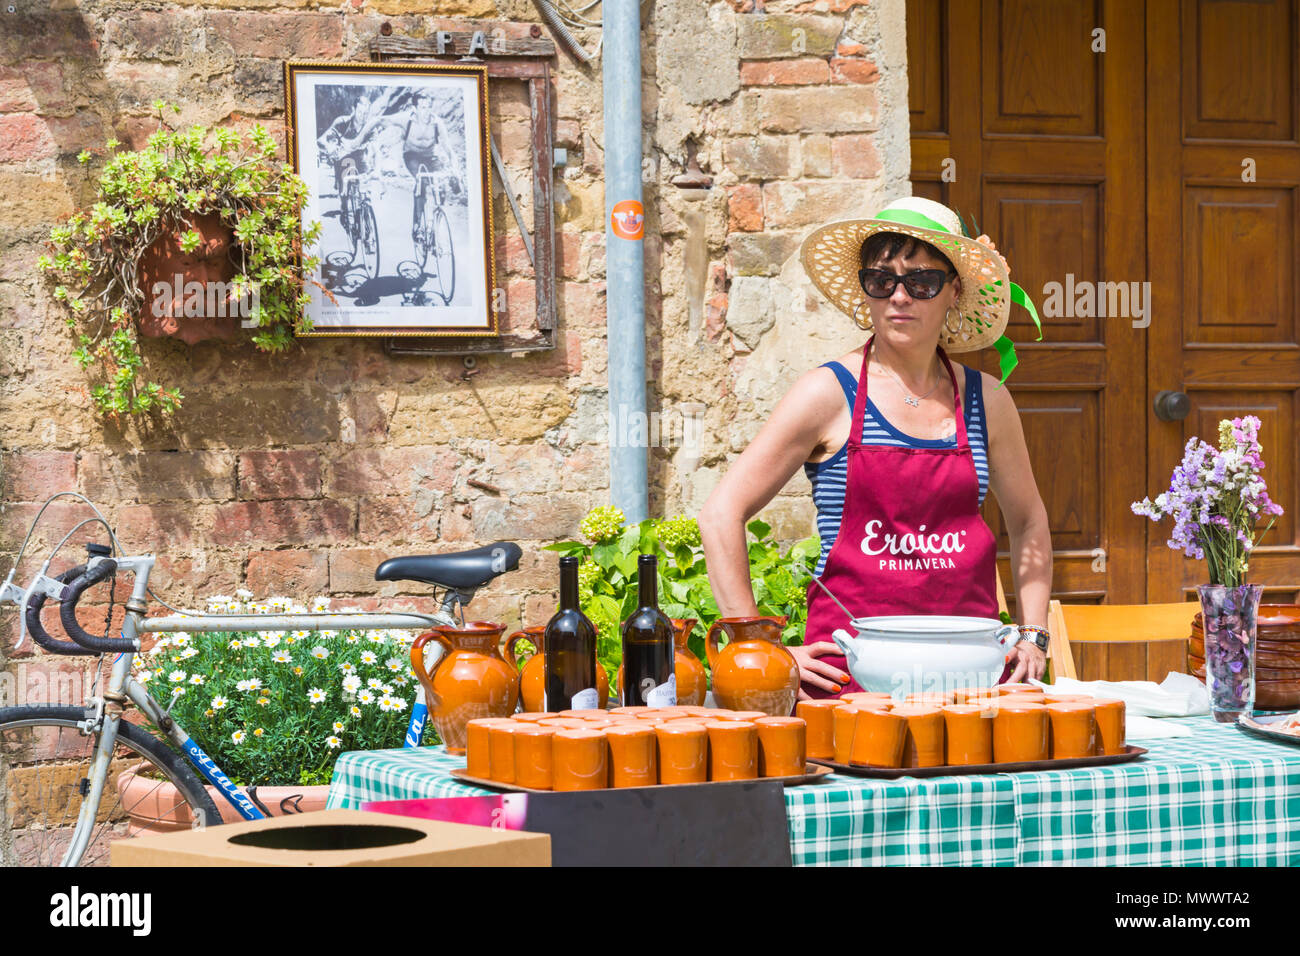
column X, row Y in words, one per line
column 628, row 219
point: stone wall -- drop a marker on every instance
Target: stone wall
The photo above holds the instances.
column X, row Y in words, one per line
column 299, row 473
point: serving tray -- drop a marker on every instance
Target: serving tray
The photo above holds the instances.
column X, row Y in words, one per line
column 1259, row 726
column 953, row 770
column 813, row 774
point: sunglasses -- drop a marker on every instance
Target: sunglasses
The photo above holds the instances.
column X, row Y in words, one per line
column 922, row 284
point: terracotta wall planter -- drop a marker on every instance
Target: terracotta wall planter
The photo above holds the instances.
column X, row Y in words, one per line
column 164, row 314
column 154, row 806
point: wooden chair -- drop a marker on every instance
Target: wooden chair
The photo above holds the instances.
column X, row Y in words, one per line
column 1119, row 641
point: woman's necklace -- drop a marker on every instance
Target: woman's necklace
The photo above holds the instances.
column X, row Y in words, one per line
column 908, row 397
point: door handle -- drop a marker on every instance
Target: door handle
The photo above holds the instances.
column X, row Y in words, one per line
column 1172, row 406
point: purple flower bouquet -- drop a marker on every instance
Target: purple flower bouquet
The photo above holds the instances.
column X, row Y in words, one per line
column 1216, row 498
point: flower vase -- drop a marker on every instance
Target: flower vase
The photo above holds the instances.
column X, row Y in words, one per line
column 1229, row 615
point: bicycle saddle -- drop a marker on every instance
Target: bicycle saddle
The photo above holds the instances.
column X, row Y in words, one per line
column 461, row 570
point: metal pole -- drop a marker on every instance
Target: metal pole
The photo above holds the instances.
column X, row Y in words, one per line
column 625, row 263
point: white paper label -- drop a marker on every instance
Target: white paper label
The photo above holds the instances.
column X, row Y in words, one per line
column 665, row 695
column 587, row 699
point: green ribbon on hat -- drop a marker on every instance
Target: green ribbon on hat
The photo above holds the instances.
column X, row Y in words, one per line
column 1006, row 349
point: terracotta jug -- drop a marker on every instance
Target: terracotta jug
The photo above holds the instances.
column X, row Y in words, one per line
column 754, row 671
column 470, row 680
column 532, row 679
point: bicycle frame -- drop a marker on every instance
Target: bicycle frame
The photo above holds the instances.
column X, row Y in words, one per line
column 121, row 687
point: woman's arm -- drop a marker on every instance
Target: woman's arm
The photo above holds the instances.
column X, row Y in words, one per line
column 783, row 444
column 1011, row 480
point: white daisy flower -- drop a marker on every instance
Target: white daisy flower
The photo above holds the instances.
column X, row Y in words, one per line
column 242, row 685
column 351, row 684
column 375, row 684
column 196, row 679
column 255, row 683
column 333, row 743
column 236, row 644
column 233, row 607
column 365, row 696
column 178, row 691
column 320, row 605
column 302, row 635
column 369, row 657
column 189, row 652
column 348, row 668
column 377, row 637
column 243, row 594
column 338, row 726
column 395, row 664
column 400, row 681
column 282, row 657
column 238, row 736
column 386, row 703
column 145, row 677
column 354, row 710
column 351, row 637
column 219, row 702
column 316, row 695
column 180, row 639
column 271, row 640
column 252, row 642
column 399, row 705
column 177, row 676
column 297, row 609
column 320, row 653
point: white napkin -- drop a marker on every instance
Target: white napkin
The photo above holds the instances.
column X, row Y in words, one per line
column 1179, row 695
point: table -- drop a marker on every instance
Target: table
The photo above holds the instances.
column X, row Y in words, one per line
column 1218, row 797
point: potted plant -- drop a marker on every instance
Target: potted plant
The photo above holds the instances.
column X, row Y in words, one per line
column 274, row 709
column 194, row 234
column 607, row 577
column 1216, row 498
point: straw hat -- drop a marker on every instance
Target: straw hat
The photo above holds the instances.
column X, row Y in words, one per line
column 831, row 256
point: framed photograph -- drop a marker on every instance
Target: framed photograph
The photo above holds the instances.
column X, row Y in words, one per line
column 397, row 157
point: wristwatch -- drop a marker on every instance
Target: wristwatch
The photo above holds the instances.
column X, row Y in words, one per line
column 1038, row 636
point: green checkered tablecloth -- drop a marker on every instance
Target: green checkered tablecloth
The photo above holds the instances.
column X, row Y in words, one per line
column 1218, row 797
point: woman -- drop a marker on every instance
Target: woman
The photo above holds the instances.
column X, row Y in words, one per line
column 897, row 441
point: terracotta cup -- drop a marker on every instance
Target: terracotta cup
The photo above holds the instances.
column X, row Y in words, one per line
column 1023, row 697
column 632, row 711
column 584, row 714
column 697, row 710
column 1001, row 690
column 533, row 756
column 782, row 746
column 733, row 749
column 968, row 734
column 532, row 717
column 501, row 749
column 683, row 752
column 1020, row 733
column 633, row 757
column 1051, row 698
column 657, row 713
column 923, row 745
column 478, row 751
column 564, row 723
column 1110, row 726
column 1073, row 729
column 878, row 738
column 843, row 722
column 864, row 696
column 580, row 759
column 967, row 694
column 931, row 698
column 819, row 716
column 749, row 715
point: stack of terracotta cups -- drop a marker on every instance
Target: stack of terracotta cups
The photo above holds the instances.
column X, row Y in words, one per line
column 634, row 747
column 1010, row 723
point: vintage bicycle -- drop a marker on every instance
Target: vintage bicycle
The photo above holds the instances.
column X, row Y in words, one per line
column 59, row 765
column 431, row 231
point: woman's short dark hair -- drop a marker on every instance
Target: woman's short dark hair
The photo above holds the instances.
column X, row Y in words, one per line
column 883, row 246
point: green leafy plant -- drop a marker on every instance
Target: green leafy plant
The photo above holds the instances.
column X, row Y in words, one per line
column 608, row 579
column 277, row 707
column 94, row 256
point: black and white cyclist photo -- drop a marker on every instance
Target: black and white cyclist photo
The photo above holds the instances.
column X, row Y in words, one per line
column 397, row 162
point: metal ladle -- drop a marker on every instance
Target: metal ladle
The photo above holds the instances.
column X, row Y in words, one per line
column 837, row 601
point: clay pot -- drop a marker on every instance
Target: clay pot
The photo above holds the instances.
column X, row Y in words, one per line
column 819, row 717
column 1020, row 733
column 164, row 312
column 533, row 757
column 478, row 747
column 632, row 754
column 754, row 671
column 579, row 760
column 471, row 679
column 1110, row 726
column 879, row 737
column 1073, row 729
column 683, row 752
column 733, row 750
column 532, row 679
column 156, row 806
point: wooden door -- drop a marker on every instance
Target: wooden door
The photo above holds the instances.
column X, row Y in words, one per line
column 1018, row 119
column 1223, row 238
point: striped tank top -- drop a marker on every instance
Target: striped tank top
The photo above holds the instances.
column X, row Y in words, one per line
column 828, row 477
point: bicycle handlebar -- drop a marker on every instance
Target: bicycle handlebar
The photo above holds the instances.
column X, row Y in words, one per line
column 33, row 612
column 68, row 611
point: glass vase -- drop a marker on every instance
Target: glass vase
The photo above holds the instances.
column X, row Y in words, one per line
column 1229, row 616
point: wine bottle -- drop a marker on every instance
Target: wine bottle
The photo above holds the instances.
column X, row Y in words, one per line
column 648, row 676
column 569, row 649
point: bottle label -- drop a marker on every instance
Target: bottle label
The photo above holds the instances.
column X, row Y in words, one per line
column 588, row 699
column 665, row 695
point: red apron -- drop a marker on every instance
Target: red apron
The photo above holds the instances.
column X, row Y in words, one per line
column 911, row 538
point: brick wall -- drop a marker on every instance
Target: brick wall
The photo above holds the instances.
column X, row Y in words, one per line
column 299, row 473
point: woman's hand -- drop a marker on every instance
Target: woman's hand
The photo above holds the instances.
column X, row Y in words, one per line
column 817, row 673
column 1029, row 662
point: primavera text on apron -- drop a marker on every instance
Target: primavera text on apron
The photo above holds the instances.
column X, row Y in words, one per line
column 911, row 538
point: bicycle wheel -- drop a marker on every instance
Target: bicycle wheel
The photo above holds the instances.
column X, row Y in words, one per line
column 443, row 255
column 44, row 763
column 369, row 230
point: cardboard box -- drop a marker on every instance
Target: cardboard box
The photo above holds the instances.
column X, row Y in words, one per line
column 337, row 838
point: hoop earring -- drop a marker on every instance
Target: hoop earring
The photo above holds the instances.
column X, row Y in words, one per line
column 864, row 325
column 947, row 322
